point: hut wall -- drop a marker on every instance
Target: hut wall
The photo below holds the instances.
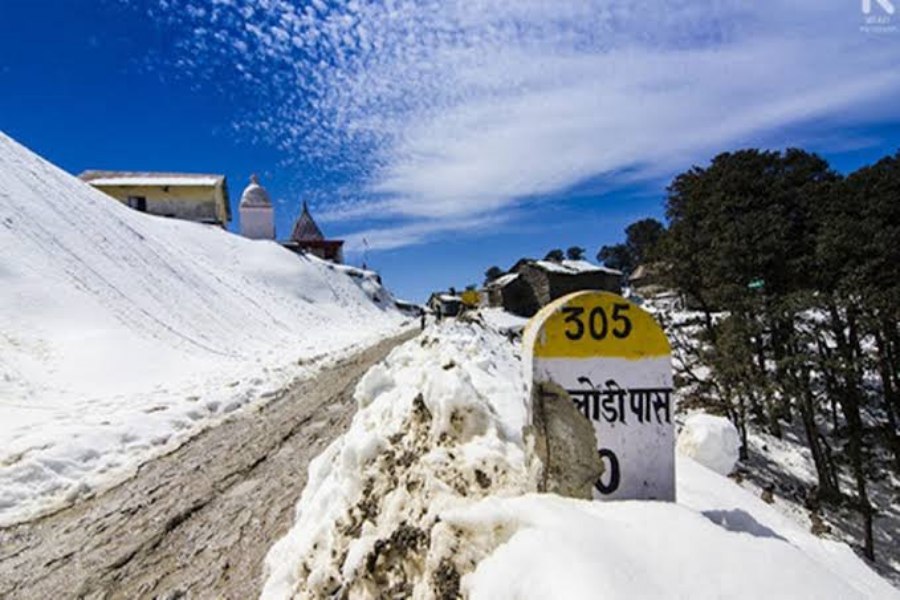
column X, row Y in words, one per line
column 538, row 281
column 562, row 284
column 518, row 297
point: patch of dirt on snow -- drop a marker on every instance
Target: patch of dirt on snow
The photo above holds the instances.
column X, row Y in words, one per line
column 427, row 439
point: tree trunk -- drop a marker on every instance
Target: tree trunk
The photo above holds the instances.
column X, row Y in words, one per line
column 889, row 397
column 892, row 350
column 743, row 452
column 851, row 401
column 827, row 479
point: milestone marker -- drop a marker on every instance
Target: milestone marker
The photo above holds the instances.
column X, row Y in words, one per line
column 613, row 360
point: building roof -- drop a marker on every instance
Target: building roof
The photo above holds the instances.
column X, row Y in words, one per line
column 639, row 273
column 137, row 178
column 255, row 195
column 645, row 270
column 158, row 179
column 503, row 280
column 444, row 297
column 566, row 267
column 305, row 229
column 583, row 266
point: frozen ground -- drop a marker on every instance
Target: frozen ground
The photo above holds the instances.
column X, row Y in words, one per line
column 785, row 468
column 122, row 333
column 782, row 470
column 432, row 493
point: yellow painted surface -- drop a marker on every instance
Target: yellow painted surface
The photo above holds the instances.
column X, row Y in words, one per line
column 561, row 336
column 470, row 298
column 206, row 198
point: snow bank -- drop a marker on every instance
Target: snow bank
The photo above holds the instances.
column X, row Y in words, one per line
column 551, row 547
column 440, row 426
column 431, row 494
column 502, row 321
column 719, row 541
column 122, row 333
column 711, row 441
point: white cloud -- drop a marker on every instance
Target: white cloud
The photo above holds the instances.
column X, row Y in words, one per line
column 412, row 233
column 453, row 112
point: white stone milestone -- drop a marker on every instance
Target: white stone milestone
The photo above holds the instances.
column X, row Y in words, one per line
column 612, row 360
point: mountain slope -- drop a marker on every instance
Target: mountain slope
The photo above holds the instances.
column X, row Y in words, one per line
column 118, row 329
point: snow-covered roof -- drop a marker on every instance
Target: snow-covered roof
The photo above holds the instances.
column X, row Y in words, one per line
column 111, row 178
column 573, row 267
column 449, row 298
column 583, row 266
column 639, row 272
column 503, row 280
column 551, row 266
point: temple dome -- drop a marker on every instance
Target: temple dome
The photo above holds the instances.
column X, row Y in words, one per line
column 255, row 194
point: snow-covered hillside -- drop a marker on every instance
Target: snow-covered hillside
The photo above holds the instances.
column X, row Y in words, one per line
column 122, row 332
column 432, row 493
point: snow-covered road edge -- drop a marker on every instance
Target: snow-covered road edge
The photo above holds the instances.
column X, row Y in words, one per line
column 440, row 425
column 431, row 493
column 43, row 485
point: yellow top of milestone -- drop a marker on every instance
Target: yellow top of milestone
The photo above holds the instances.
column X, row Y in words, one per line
column 595, row 324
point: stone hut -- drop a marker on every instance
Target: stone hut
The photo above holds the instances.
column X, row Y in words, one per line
column 448, row 305
column 538, row 282
column 647, row 283
column 513, row 294
column 645, row 280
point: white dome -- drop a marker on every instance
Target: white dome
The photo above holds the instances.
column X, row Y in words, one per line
column 255, row 194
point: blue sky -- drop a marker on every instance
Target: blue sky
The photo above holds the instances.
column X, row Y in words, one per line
column 451, row 135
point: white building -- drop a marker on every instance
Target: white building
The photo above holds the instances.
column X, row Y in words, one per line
column 255, row 209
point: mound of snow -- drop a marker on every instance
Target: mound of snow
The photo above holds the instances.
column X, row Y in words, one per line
column 121, row 333
column 431, row 494
column 711, row 441
column 717, row 542
column 440, row 426
column 502, row 321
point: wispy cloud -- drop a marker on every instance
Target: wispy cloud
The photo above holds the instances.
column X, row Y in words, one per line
column 448, row 114
column 419, row 231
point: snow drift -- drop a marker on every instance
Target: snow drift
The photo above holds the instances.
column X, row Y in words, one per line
column 440, row 424
column 122, row 332
column 431, row 494
column 712, row 441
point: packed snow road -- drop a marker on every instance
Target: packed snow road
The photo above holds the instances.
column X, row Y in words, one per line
column 197, row 522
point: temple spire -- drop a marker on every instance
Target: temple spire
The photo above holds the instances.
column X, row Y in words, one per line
column 305, row 229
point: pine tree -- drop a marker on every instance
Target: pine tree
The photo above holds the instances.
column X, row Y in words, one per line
column 556, row 255
column 575, row 253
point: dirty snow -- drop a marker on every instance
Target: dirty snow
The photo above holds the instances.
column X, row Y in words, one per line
column 122, row 333
column 440, row 425
column 398, row 507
